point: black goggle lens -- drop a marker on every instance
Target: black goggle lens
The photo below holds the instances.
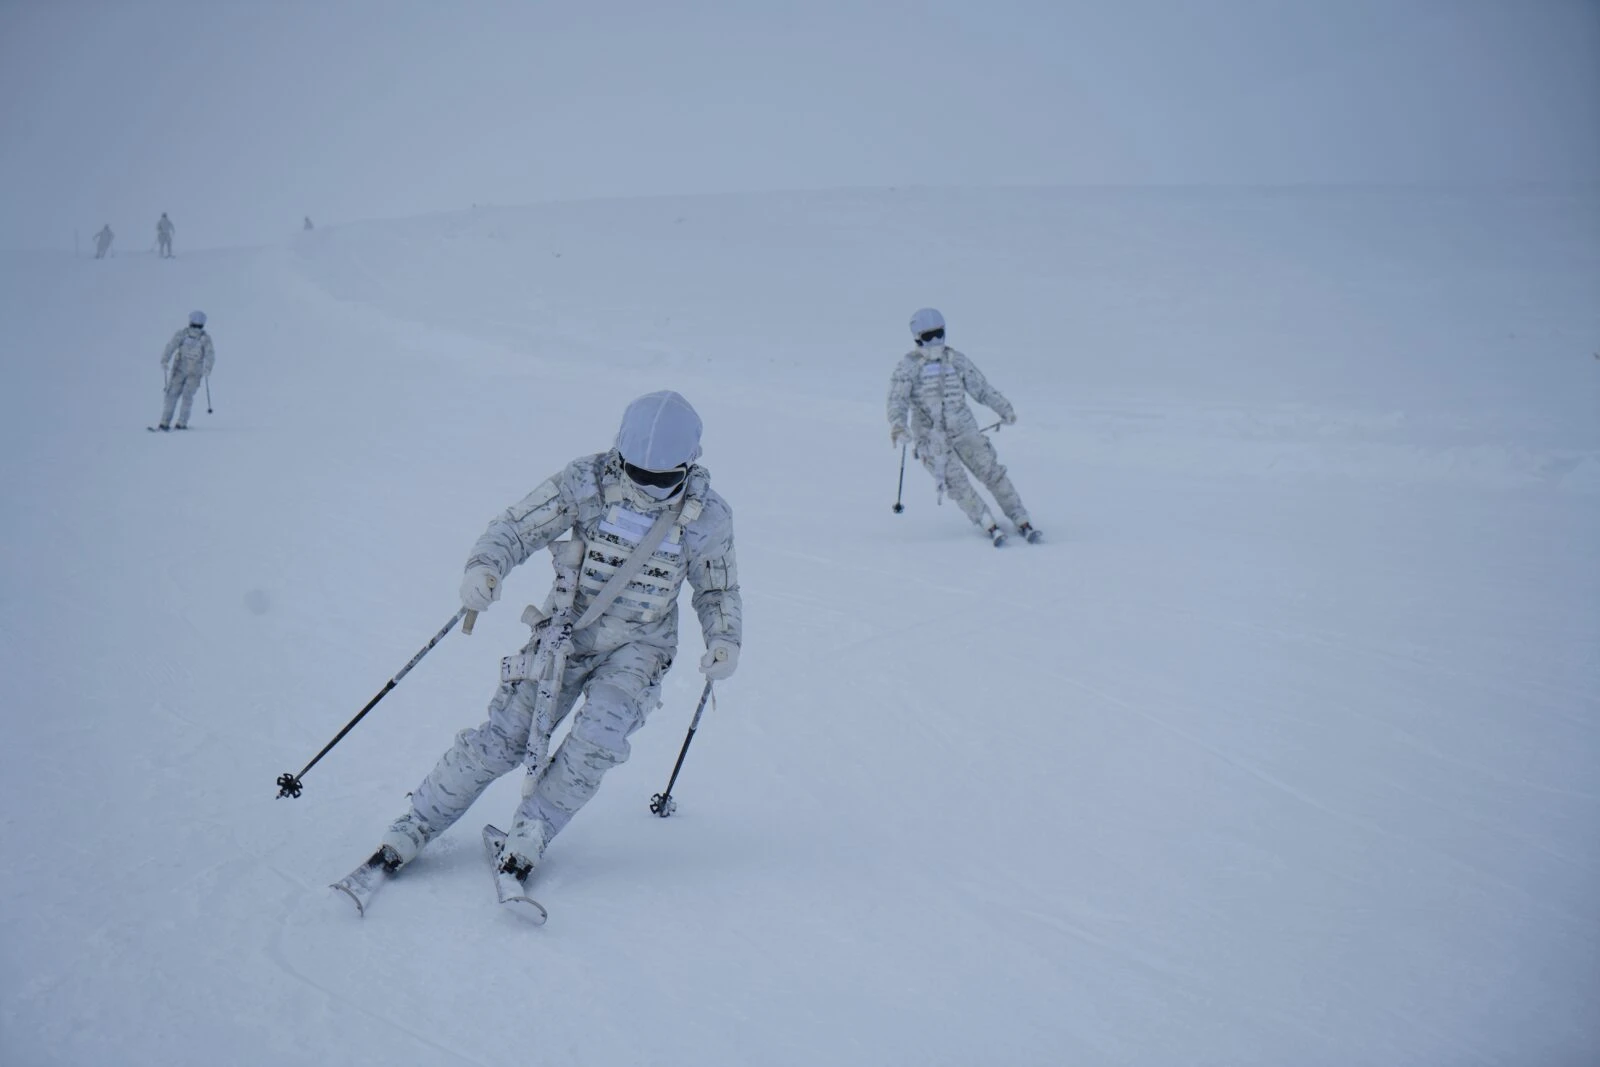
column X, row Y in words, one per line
column 931, row 335
column 655, row 479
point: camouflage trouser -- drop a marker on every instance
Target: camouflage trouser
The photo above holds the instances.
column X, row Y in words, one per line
column 621, row 688
column 972, row 452
column 182, row 384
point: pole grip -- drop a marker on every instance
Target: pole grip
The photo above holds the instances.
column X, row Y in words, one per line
column 466, row 623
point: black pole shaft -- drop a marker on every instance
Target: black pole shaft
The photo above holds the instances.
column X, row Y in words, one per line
column 694, row 724
column 289, row 785
column 901, row 488
column 208, row 394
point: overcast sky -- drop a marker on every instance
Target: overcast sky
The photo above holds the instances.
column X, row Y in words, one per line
column 240, row 116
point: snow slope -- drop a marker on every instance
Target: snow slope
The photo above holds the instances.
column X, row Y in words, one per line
column 1281, row 750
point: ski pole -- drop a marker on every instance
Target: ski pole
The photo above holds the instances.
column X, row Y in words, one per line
column 662, row 804
column 289, row 784
column 996, row 426
column 208, row 394
column 899, row 507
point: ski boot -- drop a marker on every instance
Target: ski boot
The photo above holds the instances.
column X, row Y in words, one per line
column 523, row 848
column 406, row 837
column 1030, row 533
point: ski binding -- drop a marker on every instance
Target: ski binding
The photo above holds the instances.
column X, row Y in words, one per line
column 509, row 889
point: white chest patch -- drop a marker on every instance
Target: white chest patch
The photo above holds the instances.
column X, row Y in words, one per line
column 932, row 370
column 631, row 526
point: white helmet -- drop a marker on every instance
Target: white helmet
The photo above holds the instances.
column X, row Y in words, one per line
column 659, row 438
column 197, row 318
column 659, row 431
column 926, row 322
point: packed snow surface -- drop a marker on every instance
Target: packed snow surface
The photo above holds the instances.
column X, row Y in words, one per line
column 1280, row 750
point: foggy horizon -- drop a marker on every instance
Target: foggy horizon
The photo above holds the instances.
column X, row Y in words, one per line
column 238, row 120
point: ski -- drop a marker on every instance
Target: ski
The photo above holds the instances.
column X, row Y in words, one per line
column 158, row 429
column 360, row 884
column 511, row 892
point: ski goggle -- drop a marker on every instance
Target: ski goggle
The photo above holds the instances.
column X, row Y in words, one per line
column 930, row 335
column 655, row 479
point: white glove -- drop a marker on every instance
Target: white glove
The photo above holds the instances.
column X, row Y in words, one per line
column 480, row 587
column 896, row 432
column 1009, row 418
column 720, row 661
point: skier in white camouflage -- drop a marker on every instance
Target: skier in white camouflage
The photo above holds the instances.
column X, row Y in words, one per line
column 615, row 503
column 164, row 231
column 931, row 383
column 191, row 355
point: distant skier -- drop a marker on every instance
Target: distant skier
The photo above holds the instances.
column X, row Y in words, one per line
column 102, row 241
column 164, row 235
column 191, row 356
column 932, row 381
column 646, row 490
column 308, row 225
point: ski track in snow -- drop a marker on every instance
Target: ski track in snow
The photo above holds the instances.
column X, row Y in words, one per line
column 280, row 958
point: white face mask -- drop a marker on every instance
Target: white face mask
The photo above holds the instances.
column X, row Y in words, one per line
column 658, row 492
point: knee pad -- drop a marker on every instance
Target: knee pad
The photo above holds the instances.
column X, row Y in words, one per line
column 606, row 719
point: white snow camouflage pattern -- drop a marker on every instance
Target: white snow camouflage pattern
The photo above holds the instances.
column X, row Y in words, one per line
column 931, row 384
column 191, row 355
column 616, row 663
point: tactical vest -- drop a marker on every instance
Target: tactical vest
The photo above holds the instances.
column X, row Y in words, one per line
column 653, row 592
column 937, row 384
